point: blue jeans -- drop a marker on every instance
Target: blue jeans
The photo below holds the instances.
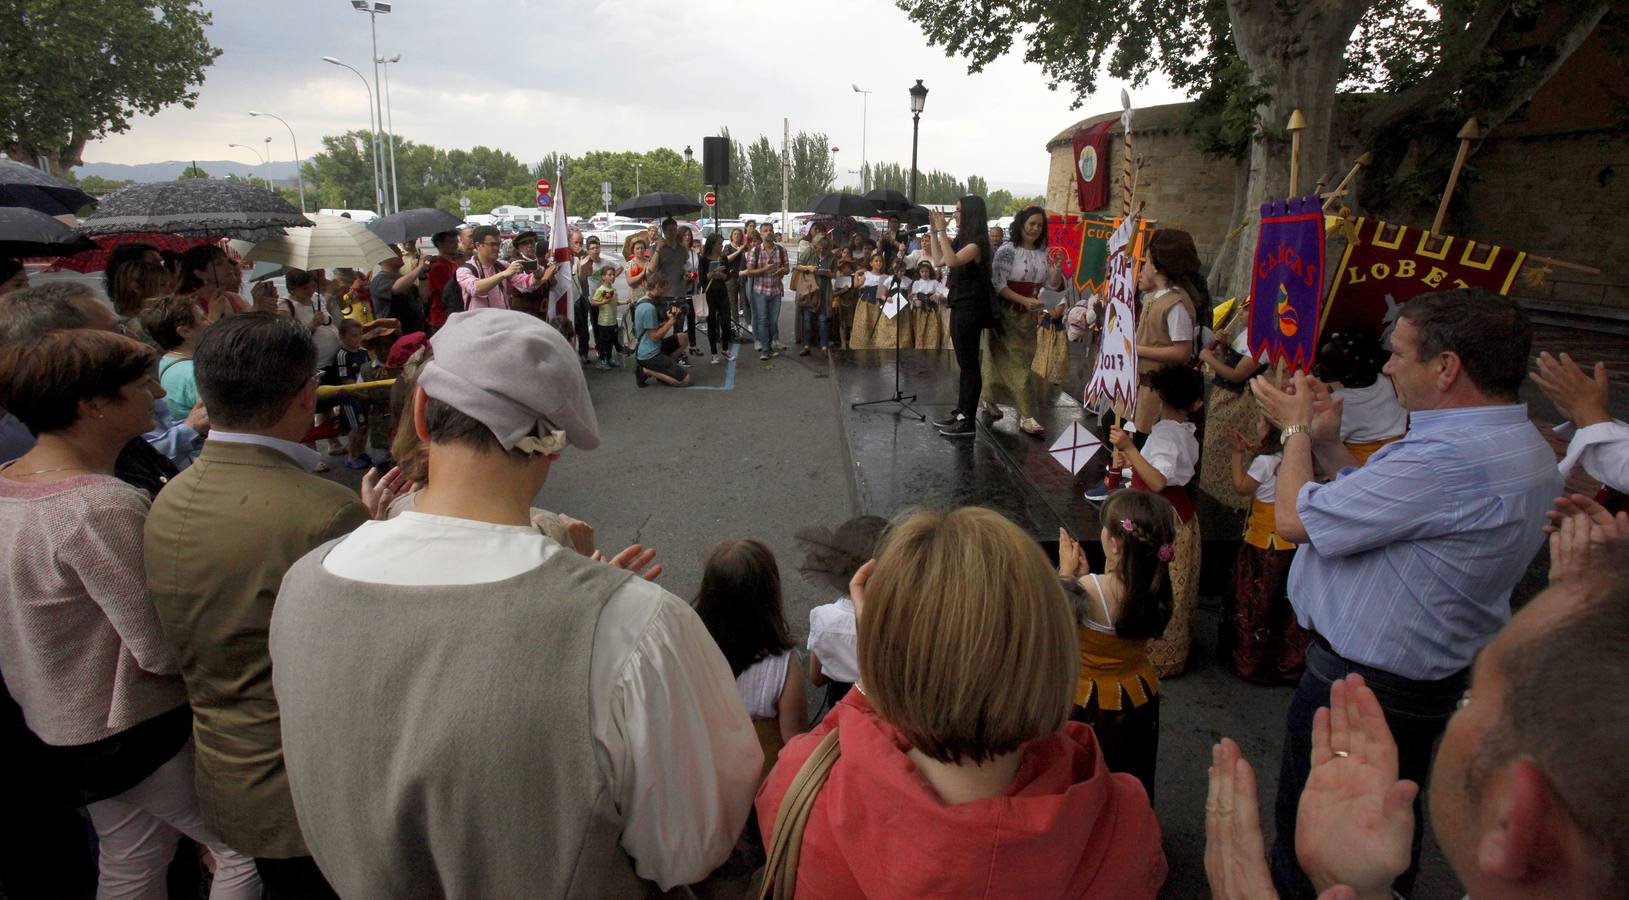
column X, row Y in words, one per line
column 1417, row 713
column 816, row 324
column 766, row 319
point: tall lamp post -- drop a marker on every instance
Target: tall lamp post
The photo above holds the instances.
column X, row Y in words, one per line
column 689, row 155
column 390, row 128
column 374, row 10
column 259, row 159
column 378, row 192
column 298, row 174
column 919, row 99
column 865, row 116
column 269, row 186
column 636, row 168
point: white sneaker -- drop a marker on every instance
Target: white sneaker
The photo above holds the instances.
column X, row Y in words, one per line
column 715, row 359
column 729, row 356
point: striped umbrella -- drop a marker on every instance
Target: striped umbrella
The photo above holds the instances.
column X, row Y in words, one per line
column 332, row 242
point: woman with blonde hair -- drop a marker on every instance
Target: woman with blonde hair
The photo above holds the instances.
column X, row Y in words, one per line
column 951, row 767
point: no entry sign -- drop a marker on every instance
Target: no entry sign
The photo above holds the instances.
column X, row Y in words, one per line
column 542, row 185
column 710, row 198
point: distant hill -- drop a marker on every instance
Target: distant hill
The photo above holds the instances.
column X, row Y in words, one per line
column 170, row 170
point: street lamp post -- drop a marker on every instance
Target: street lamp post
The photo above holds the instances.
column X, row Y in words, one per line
column 378, row 192
column 919, row 99
column 298, row 174
column 259, row 160
column 865, row 116
column 374, row 10
column 636, row 168
column 269, row 184
column 390, row 129
column 688, row 156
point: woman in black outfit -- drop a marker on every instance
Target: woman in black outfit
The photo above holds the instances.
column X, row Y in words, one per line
column 971, row 301
column 715, row 278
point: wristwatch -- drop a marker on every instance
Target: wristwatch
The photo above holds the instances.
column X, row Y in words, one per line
column 1290, row 430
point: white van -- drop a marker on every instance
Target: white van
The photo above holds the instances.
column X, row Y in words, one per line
column 529, row 213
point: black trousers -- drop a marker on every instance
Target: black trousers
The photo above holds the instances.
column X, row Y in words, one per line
column 966, row 327
column 605, row 340
column 718, row 323
column 1129, row 737
column 581, row 317
column 297, row 878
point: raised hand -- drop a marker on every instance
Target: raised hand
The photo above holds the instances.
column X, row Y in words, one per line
column 1071, row 559
column 581, row 534
column 856, row 586
column 1356, row 821
column 378, row 493
column 1581, row 398
column 1235, row 855
column 1579, row 527
column 633, row 559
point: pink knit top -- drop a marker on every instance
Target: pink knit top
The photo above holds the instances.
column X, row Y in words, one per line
column 80, row 642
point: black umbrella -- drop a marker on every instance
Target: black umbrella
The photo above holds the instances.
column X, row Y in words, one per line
column 29, row 232
column 915, row 216
column 658, row 204
column 842, row 204
column 412, row 224
column 199, row 207
column 30, row 188
column 888, row 200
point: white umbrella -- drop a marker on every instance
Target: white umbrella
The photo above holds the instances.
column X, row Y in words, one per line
column 332, row 242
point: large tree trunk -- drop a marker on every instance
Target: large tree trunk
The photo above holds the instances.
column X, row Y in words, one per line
column 1298, row 56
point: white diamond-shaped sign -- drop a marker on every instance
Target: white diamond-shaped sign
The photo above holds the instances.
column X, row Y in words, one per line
column 1075, row 448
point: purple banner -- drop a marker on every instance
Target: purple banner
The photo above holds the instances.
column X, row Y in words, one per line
column 1287, row 282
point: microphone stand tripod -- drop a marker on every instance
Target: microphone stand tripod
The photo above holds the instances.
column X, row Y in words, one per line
column 899, row 398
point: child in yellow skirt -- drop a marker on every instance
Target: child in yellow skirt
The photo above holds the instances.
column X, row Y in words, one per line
column 1262, row 642
column 928, row 295
column 867, row 313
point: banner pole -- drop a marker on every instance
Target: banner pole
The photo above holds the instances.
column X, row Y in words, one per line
column 1297, row 124
column 1469, row 132
column 1340, row 189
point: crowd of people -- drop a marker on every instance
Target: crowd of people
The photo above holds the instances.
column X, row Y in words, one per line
column 432, row 687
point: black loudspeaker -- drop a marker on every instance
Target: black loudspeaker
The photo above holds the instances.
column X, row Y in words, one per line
column 715, row 160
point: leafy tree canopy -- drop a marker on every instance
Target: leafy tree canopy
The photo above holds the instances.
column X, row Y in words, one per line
column 75, row 71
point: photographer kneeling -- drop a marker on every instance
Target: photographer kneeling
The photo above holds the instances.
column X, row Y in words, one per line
column 654, row 319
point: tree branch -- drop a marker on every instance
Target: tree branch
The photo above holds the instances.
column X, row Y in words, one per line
column 1458, row 57
column 1562, row 44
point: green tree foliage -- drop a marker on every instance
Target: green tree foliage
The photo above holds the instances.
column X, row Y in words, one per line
column 813, row 172
column 193, row 171
column 75, row 71
column 96, row 185
column 764, row 166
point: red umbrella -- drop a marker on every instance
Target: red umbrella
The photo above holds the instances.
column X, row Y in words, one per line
column 96, row 260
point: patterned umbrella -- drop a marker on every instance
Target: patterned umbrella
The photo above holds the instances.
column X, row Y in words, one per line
column 30, row 188
column 412, row 224
column 195, row 207
column 27, row 232
column 96, row 260
column 333, row 242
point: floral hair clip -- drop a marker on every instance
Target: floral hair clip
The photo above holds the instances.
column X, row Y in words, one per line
column 1167, row 553
column 1126, row 525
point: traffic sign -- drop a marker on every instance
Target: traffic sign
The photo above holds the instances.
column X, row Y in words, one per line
column 605, row 192
column 463, row 203
column 542, row 185
column 544, row 199
column 710, row 198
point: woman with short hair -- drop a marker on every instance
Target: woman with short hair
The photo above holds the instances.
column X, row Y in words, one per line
column 112, row 713
column 955, row 769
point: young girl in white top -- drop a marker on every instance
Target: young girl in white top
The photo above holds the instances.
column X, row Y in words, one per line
column 1164, row 465
column 1371, row 416
column 1268, row 646
column 928, row 296
column 831, row 561
column 868, row 308
column 740, row 603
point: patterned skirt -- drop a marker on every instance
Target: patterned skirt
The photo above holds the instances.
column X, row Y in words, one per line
column 931, row 327
column 901, row 327
column 1169, row 651
column 1009, row 351
column 1260, row 639
column 1224, row 410
column 863, row 335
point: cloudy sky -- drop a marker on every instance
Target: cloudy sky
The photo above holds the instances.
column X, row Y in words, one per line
column 522, row 76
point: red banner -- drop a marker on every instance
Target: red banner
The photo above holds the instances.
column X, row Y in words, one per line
column 1063, row 243
column 1092, row 164
column 1386, row 265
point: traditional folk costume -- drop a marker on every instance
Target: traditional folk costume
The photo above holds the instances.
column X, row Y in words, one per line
column 889, row 330
column 867, row 313
column 1173, row 451
column 845, row 296
column 1154, row 329
column 1268, row 645
column 1228, row 406
column 1371, row 418
column 1117, row 693
column 932, row 325
column 1009, row 347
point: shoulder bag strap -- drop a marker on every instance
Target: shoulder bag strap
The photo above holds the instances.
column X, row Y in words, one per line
column 786, row 840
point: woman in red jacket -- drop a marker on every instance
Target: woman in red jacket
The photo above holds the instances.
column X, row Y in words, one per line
column 957, row 771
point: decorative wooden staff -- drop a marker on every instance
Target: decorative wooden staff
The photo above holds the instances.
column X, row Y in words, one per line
column 1297, row 124
column 1126, row 180
column 1468, row 133
column 1340, row 189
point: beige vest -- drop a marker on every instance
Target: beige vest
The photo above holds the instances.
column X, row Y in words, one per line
column 1152, row 332
column 438, row 739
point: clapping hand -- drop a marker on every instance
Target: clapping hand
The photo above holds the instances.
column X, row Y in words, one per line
column 1235, row 857
column 856, row 586
column 1307, row 401
column 1578, row 527
column 1072, row 561
column 1239, row 442
column 580, row 533
column 378, row 493
column 633, row 559
column 1581, row 398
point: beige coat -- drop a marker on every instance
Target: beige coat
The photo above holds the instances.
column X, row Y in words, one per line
column 218, row 541
column 1152, row 332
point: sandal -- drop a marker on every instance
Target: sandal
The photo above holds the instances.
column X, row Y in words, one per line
column 321, row 468
column 995, row 413
column 1028, row 425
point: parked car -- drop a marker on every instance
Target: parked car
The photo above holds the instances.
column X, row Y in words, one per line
column 612, row 236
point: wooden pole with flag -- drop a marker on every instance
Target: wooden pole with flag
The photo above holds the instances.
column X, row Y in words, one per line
column 1297, row 124
column 1340, row 189
column 1125, row 162
column 1469, row 132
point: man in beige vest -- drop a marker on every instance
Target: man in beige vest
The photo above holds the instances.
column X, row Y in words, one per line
column 471, row 710
column 218, row 541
